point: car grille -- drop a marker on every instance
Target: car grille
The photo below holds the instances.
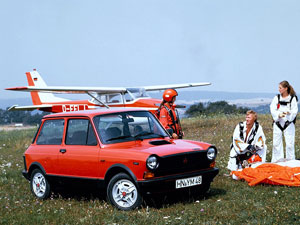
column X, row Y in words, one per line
column 183, row 162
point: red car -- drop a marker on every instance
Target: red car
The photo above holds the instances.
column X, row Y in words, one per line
column 125, row 151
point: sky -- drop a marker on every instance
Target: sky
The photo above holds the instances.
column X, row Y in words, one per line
column 238, row 46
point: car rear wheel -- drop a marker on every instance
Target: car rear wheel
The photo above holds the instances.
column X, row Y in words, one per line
column 122, row 192
column 40, row 187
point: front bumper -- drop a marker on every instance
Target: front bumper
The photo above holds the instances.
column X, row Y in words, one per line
column 168, row 183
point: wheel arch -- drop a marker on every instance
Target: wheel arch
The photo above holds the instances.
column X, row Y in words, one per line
column 118, row 168
column 33, row 166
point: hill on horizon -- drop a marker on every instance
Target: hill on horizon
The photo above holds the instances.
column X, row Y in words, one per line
column 185, row 97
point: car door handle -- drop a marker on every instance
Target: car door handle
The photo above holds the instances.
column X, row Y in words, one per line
column 62, row 150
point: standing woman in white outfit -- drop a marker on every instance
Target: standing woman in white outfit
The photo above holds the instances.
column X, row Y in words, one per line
column 284, row 109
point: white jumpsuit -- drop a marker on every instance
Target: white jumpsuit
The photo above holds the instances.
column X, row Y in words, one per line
column 289, row 132
column 240, row 145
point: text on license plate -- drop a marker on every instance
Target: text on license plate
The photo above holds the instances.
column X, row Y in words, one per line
column 188, row 182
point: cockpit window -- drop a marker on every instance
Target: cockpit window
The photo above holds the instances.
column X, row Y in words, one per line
column 133, row 93
column 128, row 126
column 108, row 98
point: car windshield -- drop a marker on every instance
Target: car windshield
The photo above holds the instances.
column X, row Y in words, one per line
column 128, row 126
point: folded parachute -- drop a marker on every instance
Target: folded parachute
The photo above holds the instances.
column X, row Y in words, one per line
column 281, row 173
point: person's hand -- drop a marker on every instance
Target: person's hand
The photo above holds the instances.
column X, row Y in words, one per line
column 287, row 113
column 175, row 136
column 281, row 115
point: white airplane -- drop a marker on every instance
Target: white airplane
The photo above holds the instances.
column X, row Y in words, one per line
column 43, row 98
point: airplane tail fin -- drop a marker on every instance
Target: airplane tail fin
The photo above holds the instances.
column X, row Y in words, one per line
column 38, row 98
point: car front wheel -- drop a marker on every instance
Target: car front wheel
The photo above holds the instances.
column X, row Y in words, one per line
column 122, row 192
column 40, row 187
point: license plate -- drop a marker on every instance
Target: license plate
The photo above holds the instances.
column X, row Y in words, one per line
column 188, row 182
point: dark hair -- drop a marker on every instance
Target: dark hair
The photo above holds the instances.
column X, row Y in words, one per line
column 289, row 87
column 162, row 103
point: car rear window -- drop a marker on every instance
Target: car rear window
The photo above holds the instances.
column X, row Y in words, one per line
column 51, row 133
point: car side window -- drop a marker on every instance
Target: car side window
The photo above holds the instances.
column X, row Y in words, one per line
column 51, row 133
column 80, row 132
column 92, row 140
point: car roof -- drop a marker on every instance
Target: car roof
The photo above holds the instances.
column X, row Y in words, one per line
column 92, row 113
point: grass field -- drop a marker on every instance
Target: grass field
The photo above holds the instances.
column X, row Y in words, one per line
column 228, row 202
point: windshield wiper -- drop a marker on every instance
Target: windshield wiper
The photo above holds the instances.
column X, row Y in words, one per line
column 147, row 133
column 160, row 135
column 120, row 137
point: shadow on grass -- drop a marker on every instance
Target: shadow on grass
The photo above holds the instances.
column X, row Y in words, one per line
column 80, row 194
column 161, row 200
column 164, row 200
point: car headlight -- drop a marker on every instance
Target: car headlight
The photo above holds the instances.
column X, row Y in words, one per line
column 152, row 162
column 211, row 153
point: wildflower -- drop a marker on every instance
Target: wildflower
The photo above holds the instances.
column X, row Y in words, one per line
column 201, row 210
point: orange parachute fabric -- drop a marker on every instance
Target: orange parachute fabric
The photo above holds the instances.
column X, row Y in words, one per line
column 270, row 173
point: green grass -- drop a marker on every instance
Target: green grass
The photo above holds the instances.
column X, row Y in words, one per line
column 229, row 201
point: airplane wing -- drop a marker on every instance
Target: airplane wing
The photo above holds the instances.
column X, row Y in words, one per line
column 174, row 86
column 104, row 90
column 30, row 107
column 65, row 89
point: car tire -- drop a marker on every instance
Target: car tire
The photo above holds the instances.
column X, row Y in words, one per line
column 122, row 192
column 39, row 184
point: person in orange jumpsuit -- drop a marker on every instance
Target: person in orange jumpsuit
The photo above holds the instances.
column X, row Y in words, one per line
column 168, row 116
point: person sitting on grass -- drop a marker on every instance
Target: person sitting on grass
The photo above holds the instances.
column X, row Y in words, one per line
column 248, row 143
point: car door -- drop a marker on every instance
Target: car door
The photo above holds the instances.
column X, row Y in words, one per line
column 79, row 156
column 48, row 144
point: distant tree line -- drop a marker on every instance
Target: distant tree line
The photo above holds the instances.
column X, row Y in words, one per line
column 25, row 117
column 219, row 107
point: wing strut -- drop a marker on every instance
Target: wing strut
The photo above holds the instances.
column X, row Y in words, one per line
column 102, row 103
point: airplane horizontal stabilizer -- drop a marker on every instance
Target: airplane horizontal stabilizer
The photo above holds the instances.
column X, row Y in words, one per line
column 30, row 107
